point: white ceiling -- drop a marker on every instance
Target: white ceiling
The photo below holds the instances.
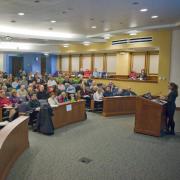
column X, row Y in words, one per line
column 77, row 16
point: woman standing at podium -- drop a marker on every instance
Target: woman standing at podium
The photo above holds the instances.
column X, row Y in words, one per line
column 171, row 107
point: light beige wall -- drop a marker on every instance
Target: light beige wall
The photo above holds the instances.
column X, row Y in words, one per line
column 122, row 63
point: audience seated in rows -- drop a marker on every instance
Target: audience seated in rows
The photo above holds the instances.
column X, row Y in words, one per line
column 29, row 87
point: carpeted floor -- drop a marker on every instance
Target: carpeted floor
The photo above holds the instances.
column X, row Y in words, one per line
column 116, row 153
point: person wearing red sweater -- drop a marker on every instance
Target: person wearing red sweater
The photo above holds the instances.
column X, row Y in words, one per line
column 5, row 103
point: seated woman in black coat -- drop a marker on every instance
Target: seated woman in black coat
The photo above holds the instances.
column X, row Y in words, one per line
column 171, row 107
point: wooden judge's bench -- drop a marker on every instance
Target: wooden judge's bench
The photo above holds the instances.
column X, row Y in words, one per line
column 150, row 117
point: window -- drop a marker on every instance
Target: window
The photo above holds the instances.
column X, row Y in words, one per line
column 75, row 63
column 138, row 62
column 86, row 62
column 111, row 63
column 98, row 63
column 65, row 63
column 153, row 64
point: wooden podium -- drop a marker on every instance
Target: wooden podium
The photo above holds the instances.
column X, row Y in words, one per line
column 150, row 117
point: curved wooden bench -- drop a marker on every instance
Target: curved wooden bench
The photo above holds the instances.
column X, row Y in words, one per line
column 62, row 117
column 13, row 142
column 113, row 106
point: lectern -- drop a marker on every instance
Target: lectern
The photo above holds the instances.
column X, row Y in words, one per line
column 150, row 116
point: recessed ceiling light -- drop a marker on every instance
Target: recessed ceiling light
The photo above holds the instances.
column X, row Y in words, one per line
column 53, row 21
column 21, row 14
column 132, row 33
column 46, row 54
column 107, row 36
column 66, row 45
column 144, row 10
column 93, row 27
column 36, row 1
column 154, row 17
column 86, row 43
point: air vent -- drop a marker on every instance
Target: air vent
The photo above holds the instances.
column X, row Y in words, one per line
column 132, row 40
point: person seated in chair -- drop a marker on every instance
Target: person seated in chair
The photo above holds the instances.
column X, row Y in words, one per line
column 143, row 75
column 85, row 95
column 107, row 92
column 42, row 94
column 22, row 93
column 98, row 98
column 8, row 109
column 62, row 98
column 34, row 104
column 52, row 100
column 14, row 98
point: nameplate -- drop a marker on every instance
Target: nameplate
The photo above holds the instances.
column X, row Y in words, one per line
column 68, row 107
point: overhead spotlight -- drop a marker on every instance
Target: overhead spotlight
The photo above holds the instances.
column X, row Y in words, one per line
column 21, row 14
column 86, row 43
column 154, row 17
column 132, row 33
column 144, row 10
column 46, row 54
column 93, row 27
column 66, row 45
column 53, row 21
column 107, row 36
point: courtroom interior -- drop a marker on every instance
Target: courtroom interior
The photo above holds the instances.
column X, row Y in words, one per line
column 89, row 90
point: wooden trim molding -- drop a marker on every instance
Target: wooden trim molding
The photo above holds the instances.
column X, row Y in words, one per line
column 70, row 63
column 80, row 62
column 92, row 62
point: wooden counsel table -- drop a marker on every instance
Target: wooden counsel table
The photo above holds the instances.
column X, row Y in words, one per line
column 150, row 117
column 68, row 113
column 119, row 105
column 13, row 142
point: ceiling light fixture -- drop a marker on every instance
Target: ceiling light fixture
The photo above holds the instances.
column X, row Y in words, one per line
column 144, row 10
column 86, row 43
column 46, row 54
column 66, row 45
column 154, row 17
column 93, row 27
column 107, row 36
column 53, row 21
column 36, row 1
column 132, row 33
column 21, row 14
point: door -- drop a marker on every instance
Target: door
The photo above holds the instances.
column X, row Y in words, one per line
column 43, row 65
column 17, row 64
